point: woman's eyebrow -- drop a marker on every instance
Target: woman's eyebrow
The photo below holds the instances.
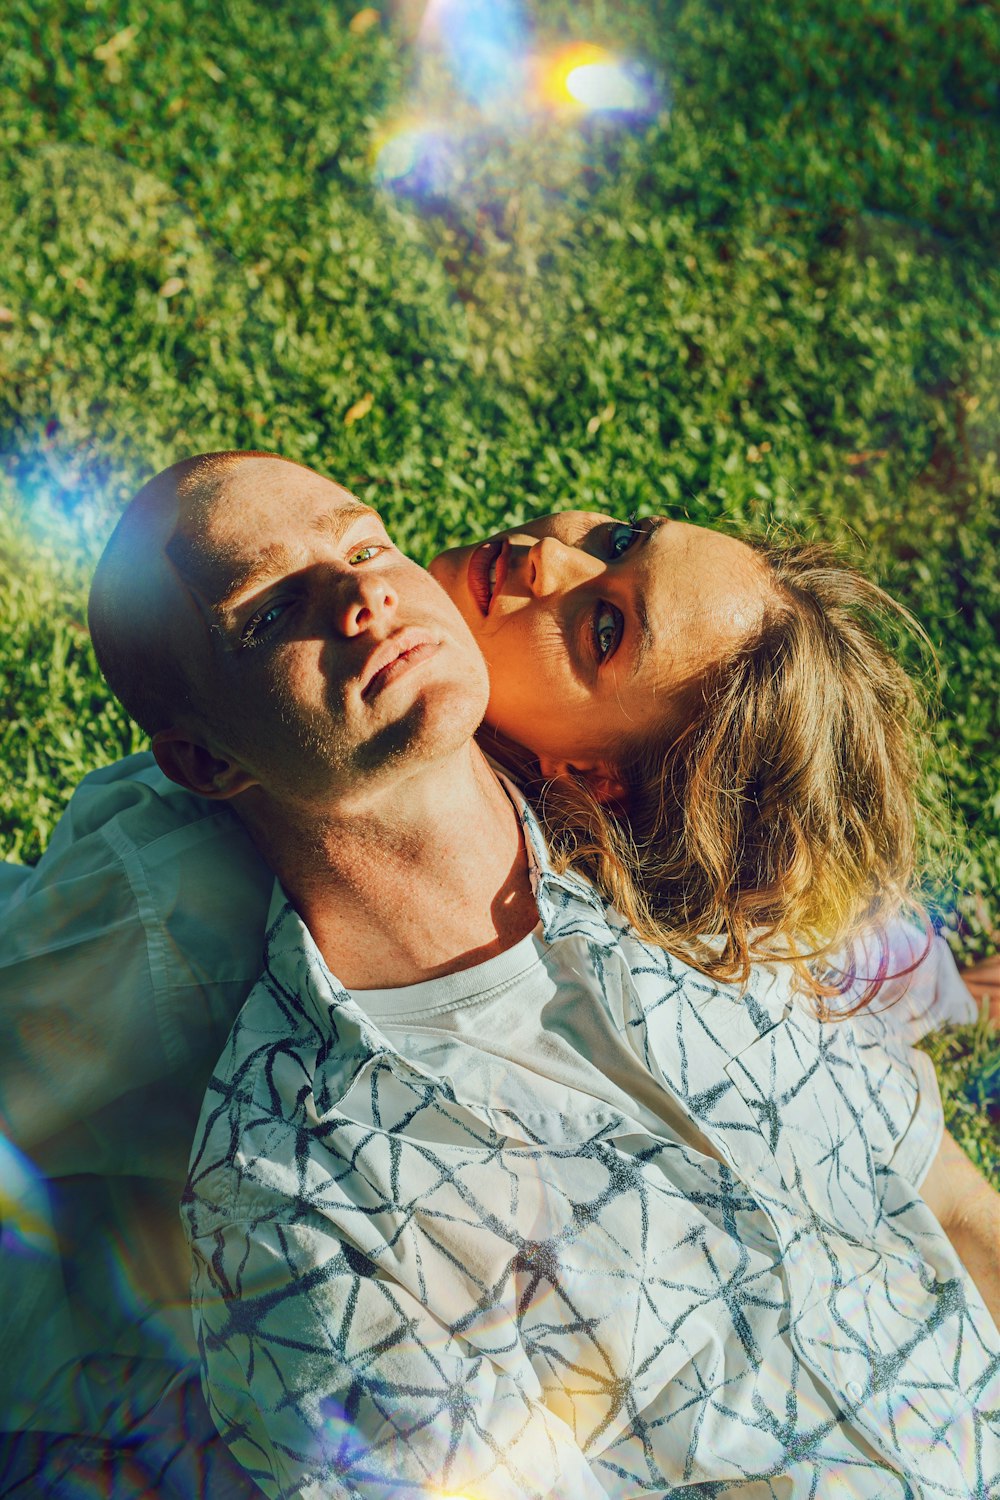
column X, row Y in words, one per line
column 656, row 523
column 646, row 642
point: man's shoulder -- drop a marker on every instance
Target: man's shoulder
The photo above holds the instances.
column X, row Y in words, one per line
column 133, row 796
column 295, row 1049
column 132, row 847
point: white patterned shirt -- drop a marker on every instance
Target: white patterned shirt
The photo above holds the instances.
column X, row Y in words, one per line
column 125, row 956
column 434, row 1273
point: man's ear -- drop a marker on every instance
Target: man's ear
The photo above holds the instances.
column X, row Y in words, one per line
column 196, row 769
column 606, row 783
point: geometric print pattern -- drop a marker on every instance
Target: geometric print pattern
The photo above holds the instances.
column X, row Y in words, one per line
column 407, row 1284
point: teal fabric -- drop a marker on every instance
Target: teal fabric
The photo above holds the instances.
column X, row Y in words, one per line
column 124, row 957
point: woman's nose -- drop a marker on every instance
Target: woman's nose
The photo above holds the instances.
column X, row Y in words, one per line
column 364, row 601
column 554, row 567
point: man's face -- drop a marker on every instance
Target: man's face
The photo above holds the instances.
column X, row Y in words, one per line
column 324, row 657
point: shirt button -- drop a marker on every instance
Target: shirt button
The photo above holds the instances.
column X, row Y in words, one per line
column 855, row 1390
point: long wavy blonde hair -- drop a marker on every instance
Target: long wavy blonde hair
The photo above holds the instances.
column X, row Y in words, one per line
column 779, row 822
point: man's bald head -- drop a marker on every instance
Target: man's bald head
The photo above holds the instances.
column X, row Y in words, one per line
column 137, row 596
column 257, row 620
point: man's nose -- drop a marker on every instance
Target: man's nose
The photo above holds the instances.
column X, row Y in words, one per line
column 364, row 601
column 554, row 566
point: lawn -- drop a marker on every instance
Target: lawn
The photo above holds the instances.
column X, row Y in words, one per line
column 767, row 294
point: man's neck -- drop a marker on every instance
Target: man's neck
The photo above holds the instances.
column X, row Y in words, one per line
column 423, row 880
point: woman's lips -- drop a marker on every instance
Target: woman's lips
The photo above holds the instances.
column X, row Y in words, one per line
column 487, row 571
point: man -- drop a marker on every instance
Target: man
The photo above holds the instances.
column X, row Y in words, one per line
column 106, row 1355
column 484, row 1245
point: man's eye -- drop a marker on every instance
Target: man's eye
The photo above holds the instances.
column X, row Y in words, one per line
column 621, row 535
column 607, row 630
column 362, row 554
column 258, row 625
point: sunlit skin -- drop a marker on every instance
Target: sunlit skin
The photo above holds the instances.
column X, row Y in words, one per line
column 596, row 631
column 336, row 693
column 328, row 650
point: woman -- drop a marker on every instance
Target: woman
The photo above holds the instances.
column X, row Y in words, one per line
column 714, row 731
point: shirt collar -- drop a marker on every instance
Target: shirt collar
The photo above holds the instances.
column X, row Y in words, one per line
column 296, row 974
column 568, row 906
column 567, row 902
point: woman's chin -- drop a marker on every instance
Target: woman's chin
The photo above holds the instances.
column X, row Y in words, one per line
column 443, row 568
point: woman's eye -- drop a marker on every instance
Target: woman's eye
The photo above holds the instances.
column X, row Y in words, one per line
column 362, row 554
column 607, row 630
column 620, row 538
column 257, row 627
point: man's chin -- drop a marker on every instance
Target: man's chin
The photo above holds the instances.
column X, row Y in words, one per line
column 440, row 719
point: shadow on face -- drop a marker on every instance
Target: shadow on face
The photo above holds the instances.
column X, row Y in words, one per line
column 261, row 619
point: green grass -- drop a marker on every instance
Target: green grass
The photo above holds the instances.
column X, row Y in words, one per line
column 777, row 301
column 967, row 1059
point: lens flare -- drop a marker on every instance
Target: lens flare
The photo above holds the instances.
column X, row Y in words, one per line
column 606, row 85
column 480, row 81
column 25, row 1224
column 554, row 72
column 588, row 79
column 415, row 156
column 339, row 1434
column 484, row 43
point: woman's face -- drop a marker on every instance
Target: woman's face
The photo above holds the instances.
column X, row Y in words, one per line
column 594, row 630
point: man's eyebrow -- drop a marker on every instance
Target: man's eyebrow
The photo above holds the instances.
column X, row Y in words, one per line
column 335, row 522
column 276, row 559
column 270, row 562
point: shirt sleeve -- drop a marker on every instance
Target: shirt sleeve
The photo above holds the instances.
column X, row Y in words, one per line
column 327, row 1377
column 923, row 990
column 124, row 956
column 918, row 1145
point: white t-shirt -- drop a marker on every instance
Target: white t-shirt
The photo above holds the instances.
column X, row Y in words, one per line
column 548, row 1026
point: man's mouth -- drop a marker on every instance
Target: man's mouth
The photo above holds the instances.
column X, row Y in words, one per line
column 392, row 657
column 487, row 571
